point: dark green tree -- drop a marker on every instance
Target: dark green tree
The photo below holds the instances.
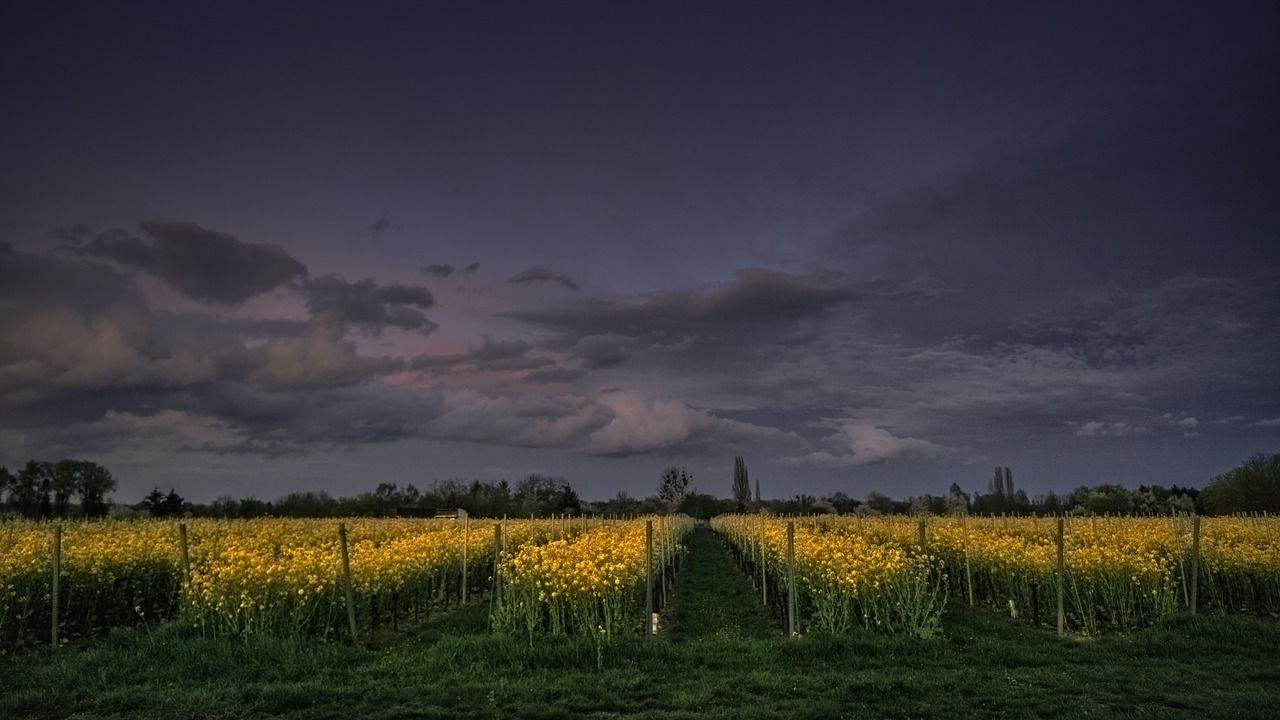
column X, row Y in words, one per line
column 7, row 483
column 1252, row 487
column 64, row 479
column 95, row 482
column 741, row 484
column 29, row 491
column 153, row 502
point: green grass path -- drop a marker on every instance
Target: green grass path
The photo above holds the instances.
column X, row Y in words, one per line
column 711, row 596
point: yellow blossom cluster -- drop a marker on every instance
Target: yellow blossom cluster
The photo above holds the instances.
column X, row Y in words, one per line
column 1240, row 563
column 284, row 576
column 24, row 580
column 850, row 571
column 584, row 579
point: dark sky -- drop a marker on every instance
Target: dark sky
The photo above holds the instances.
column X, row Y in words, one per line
column 254, row 248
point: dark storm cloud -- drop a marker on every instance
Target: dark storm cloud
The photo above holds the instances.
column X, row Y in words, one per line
column 757, row 297
column 555, row 375
column 541, row 274
column 79, row 343
column 445, row 270
column 491, row 356
column 369, row 305
column 200, row 263
column 1179, row 180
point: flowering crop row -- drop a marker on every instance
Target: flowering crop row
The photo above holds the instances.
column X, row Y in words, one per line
column 846, row 574
column 285, row 576
column 1117, row 573
column 247, row 576
column 589, row 580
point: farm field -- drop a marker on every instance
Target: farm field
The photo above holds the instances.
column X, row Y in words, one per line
column 718, row 654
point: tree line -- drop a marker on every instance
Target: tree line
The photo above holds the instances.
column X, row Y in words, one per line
column 47, row 490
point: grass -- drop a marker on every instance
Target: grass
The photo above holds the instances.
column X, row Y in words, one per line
column 720, row 656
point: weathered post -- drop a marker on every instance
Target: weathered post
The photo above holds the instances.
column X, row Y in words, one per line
column 346, row 582
column 1062, row 579
column 1195, row 562
column 791, row 577
column 648, row 576
column 57, row 572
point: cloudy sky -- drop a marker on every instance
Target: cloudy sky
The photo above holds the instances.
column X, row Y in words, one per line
column 254, row 248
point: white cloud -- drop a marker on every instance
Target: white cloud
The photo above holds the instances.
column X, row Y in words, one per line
column 641, row 424
column 858, row 444
column 1116, row 429
column 1273, row 422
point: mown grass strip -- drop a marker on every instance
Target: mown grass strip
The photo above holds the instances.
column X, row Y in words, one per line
column 712, row 598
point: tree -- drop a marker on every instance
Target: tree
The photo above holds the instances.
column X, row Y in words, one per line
column 1252, row 487
column 741, row 485
column 1009, row 495
column 95, row 482
column 26, row 489
column 7, row 483
column 540, row 494
column 758, row 500
column 65, row 482
column 878, row 502
column 154, row 502
column 673, row 485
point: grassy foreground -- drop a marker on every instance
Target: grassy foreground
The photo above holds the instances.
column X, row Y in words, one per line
column 719, row 656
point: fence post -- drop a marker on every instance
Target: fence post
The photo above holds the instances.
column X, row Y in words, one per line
column 968, row 571
column 186, row 557
column 346, row 581
column 791, row 577
column 764, row 567
column 1195, row 562
column 466, row 547
column 648, row 577
column 497, row 564
column 1062, row 572
column 57, row 572
column 923, row 542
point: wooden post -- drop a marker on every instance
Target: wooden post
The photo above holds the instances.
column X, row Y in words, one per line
column 924, row 545
column 791, row 577
column 466, row 548
column 346, row 581
column 968, row 570
column 1195, row 562
column 764, row 567
column 648, row 577
column 497, row 564
column 1062, row 580
column 57, row 572
column 186, row 557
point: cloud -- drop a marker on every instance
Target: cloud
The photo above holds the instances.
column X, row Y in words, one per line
column 318, row 359
column 541, row 274
column 859, row 444
column 491, row 356
column 371, row 306
column 1096, row 428
column 201, row 264
column 380, row 225
column 555, row 375
column 641, row 425
column 1268, row 423
column 445, row 270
